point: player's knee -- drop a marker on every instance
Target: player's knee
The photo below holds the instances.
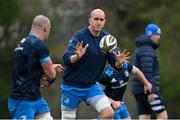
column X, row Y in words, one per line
column 46, row 116
column 107, row 113
column 144, row 117
column 68, row 115
column 103, row 106
column 163, row 115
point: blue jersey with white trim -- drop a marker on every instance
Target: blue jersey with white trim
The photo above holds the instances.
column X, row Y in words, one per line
column 115, row 82
column 30, row 53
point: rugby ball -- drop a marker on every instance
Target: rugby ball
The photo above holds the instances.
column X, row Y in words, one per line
column 108, row 43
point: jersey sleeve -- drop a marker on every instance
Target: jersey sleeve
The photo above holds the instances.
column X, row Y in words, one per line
column 70, row 50
column 42, row 52
column 129, row 67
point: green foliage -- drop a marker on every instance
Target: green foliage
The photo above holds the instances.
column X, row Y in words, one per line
column 9, row 11
column 5, row 73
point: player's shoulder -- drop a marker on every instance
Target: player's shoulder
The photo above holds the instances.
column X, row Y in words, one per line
column 81, row 31
column 37, row 43
column 110, row 68
column 103, row 32
column 128, row 66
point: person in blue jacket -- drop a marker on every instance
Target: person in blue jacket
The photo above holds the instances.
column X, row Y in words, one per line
column 84, row 62
column 114, row 84
column 146, row 59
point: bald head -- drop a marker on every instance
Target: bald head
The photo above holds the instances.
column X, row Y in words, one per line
column 41, row 26
column 97, row 11
column 40, row 21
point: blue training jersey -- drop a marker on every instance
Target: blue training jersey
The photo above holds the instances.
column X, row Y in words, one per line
column 27, row 71
column 115, row 82
column 86, row 72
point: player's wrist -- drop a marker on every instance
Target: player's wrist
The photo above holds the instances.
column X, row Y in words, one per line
column 52, row 81
column 78, row 56
column 74, row 58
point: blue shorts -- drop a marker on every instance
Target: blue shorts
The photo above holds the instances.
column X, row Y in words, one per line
column 122, row 112
column 27, row 109
column 72, row 96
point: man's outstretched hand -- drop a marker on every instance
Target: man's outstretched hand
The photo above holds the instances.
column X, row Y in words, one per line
column 121, row 57
column 80, row 49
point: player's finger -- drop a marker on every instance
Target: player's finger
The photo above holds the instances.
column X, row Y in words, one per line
column 61, row 67
column 128, row 57
column 59, row 70
column 124, row 51
column 81, row 44
column 127, row 53
column 76, row 52
column 77, row 45
column 87, row 45
column 118, row 52
column 114, row 53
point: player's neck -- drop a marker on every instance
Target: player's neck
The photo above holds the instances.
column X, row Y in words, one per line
column 38, row 34
column 93, row 32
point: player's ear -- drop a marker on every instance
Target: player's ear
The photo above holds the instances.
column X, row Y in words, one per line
column 89, row 20
column 45, row 29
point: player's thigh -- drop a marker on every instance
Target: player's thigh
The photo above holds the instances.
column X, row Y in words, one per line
column 162, row 115
column 144, row 117
column 97, row 98
column 69, row 101
column 21, row 109
column 117, row 115
column 41, row 107
column 123, row 111
column 94, row 94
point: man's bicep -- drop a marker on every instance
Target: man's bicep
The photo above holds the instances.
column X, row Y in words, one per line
column 42, row 52
column 44, row 58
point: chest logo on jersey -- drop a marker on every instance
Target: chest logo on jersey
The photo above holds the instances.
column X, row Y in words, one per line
column 113, row 80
